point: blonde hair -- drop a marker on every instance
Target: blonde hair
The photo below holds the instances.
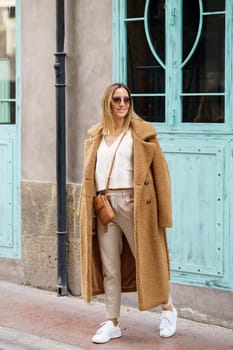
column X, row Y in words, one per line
column 107, row 121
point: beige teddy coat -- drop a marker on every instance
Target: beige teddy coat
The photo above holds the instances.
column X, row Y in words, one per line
column 148, row 273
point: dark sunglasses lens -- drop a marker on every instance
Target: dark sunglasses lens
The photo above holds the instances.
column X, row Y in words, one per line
column 118, row 99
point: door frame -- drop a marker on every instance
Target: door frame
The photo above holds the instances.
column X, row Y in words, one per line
column 11, row 136
column 178, row 133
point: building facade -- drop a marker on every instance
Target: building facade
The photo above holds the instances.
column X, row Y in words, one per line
column 177, row 58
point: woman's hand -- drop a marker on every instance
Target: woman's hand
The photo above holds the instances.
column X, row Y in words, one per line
column 129, row 200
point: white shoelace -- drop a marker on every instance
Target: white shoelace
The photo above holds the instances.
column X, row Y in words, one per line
column 165, row 322
column 100, row 330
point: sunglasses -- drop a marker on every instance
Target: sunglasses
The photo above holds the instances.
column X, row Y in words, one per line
column 118, row 99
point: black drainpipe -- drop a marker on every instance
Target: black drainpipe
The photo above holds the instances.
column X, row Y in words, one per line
column 59, row 67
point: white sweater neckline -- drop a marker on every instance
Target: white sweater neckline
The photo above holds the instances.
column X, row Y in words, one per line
column 116, row 139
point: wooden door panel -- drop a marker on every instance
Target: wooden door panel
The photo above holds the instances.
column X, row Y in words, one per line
column 9, row 203
column 196, row 240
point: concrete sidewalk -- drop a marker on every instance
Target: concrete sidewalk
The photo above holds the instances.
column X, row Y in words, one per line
column 33, row 319
column 11, row 339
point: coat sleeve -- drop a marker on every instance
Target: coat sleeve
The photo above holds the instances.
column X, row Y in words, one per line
column 163, row 186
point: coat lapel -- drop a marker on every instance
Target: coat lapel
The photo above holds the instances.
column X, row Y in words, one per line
column 143, row 156
column 143, row 151
column 91, row 148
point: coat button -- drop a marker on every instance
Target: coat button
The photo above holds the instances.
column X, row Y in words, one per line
column 146, row 182
column 148, row 201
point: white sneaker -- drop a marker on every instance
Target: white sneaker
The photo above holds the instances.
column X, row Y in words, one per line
column 106, row 332
column 168, row 323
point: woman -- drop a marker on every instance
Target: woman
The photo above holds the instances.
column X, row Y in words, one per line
column 133, row 254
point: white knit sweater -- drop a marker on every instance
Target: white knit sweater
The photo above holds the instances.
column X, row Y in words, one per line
column 122, row 173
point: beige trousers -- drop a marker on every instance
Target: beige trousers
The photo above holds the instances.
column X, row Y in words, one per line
column 110, row 244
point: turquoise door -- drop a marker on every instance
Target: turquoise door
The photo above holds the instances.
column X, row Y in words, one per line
column 9, row 133
column 176, row 56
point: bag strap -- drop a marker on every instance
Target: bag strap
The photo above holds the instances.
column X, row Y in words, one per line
column 113, row 160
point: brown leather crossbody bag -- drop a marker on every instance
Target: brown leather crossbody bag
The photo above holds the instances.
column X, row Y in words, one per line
column 101, row 203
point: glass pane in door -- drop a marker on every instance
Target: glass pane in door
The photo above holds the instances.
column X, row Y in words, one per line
column 203, row 74
column 145, row 74
column 7, row 61
column 213, row 5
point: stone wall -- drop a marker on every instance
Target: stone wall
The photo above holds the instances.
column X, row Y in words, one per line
column 38, row 266
column 40, row 239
